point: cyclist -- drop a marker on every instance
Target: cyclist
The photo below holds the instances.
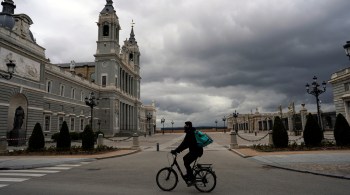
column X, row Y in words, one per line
column 195, row 151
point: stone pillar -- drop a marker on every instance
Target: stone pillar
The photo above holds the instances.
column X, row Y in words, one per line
column 135, row 141
column 290, row 123
column 3, row 144
column 100, row 140
column 303, row 114
column 270, row 138
column 233, row 143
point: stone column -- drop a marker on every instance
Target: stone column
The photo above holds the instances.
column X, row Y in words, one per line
column 3, row 144
column 303, row 114
column 233, row 143
column 290, row 123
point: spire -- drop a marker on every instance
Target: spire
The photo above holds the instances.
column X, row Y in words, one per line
column 132, row 35
column 8, row 7
column 108, row 7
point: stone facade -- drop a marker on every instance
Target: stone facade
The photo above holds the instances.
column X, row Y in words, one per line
column 53, row 93
column 341, row 92
column 292, row 120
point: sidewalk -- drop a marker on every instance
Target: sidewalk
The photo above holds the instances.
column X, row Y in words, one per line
column 327, row 163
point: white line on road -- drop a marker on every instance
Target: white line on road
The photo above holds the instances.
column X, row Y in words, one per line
column 22, row 174
column 3, row 185
column 54, row 168
column 28, row 171
column 13, row 179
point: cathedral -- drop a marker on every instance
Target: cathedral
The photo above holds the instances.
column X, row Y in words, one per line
column 105, row 92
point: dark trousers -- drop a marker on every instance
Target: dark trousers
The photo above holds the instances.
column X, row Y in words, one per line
column 188, row 159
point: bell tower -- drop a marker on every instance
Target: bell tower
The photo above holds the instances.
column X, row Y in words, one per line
column 108, row 31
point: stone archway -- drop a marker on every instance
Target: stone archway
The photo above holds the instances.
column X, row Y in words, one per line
column 17, row 119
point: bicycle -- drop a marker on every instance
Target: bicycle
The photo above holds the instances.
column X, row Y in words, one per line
column 205, row 177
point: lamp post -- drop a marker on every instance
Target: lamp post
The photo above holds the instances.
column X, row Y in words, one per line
column 216, row 124
column 224, row 119
column 10, row 70
column 235, row 115
column 316, row 91
column 172, row 126
column 91, row 101
column 162, row 121
column 149, row 117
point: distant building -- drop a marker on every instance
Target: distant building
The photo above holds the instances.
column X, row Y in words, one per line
column 53, row 93
column 340, row 81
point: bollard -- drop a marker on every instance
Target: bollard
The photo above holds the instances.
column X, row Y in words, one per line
column 157, row 147
column 135, row 141
column 270, row 138
column 233, row 143
column 3, row 144
column 100, row 140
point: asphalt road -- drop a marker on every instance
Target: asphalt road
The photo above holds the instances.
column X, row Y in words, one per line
column 135, row 174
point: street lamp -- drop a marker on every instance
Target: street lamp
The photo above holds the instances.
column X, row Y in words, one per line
column 347, row 49
column 149, row 117
column 224, row 119
column 235, row 115
column 172, row 126
column 162, row 121
column 91, row 101
column 216, row 124
column 316, row 91
column 10, row 70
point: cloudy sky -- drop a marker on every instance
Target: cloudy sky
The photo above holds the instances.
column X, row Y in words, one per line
column 204, row 59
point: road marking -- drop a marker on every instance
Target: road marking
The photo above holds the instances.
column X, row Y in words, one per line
column 3, row 185
column 30, row 171
column 22, row 174
column 13, row 179
column 54, row 168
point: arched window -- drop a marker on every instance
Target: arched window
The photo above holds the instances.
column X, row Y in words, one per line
column 131, row 57
column 49, row 86
column 105, row 30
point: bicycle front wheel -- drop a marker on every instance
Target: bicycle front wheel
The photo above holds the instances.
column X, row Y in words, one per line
column 167, row 179
column 205, row 180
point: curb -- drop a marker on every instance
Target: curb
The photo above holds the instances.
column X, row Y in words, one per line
column 309, row 172
column 239, row 153
column 118, row 155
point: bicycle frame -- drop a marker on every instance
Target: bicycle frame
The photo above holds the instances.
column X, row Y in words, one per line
column 194, row 167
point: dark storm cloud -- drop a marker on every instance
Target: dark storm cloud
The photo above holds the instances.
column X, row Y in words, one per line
column 204, row 59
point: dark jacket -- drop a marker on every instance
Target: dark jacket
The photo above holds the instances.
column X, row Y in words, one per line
column 190, row 143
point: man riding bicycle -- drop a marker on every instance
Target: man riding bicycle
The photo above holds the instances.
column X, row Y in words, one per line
column 195, row 151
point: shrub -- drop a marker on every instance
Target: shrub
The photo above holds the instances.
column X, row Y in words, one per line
column 37, row 139
column 75, row 136
column 55, row 136
column 63, row 141
column 312, row 133
column 341, row 131
column 279, row 134
column 88, row 138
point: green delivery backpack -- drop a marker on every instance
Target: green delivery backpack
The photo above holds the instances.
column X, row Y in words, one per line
column 202, row 139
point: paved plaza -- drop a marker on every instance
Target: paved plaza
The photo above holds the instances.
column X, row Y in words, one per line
column 328, row 163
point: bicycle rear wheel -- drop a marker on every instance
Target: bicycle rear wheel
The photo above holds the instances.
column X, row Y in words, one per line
column 205, row 180
column 167, row 179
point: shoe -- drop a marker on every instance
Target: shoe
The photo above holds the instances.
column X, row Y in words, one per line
column 190, row 182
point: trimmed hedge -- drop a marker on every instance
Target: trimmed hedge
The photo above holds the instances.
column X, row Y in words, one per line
column 64, row 141
column 279, row 134
column 312, row 133
column 88, row 138
column 341, row 131
column 37, row 139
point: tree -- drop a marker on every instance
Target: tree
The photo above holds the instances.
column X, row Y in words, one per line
column 64, row 141
column 37, row 139
column 312, row 132
column 88, row 138
column 279, row 134
column 341, row 131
